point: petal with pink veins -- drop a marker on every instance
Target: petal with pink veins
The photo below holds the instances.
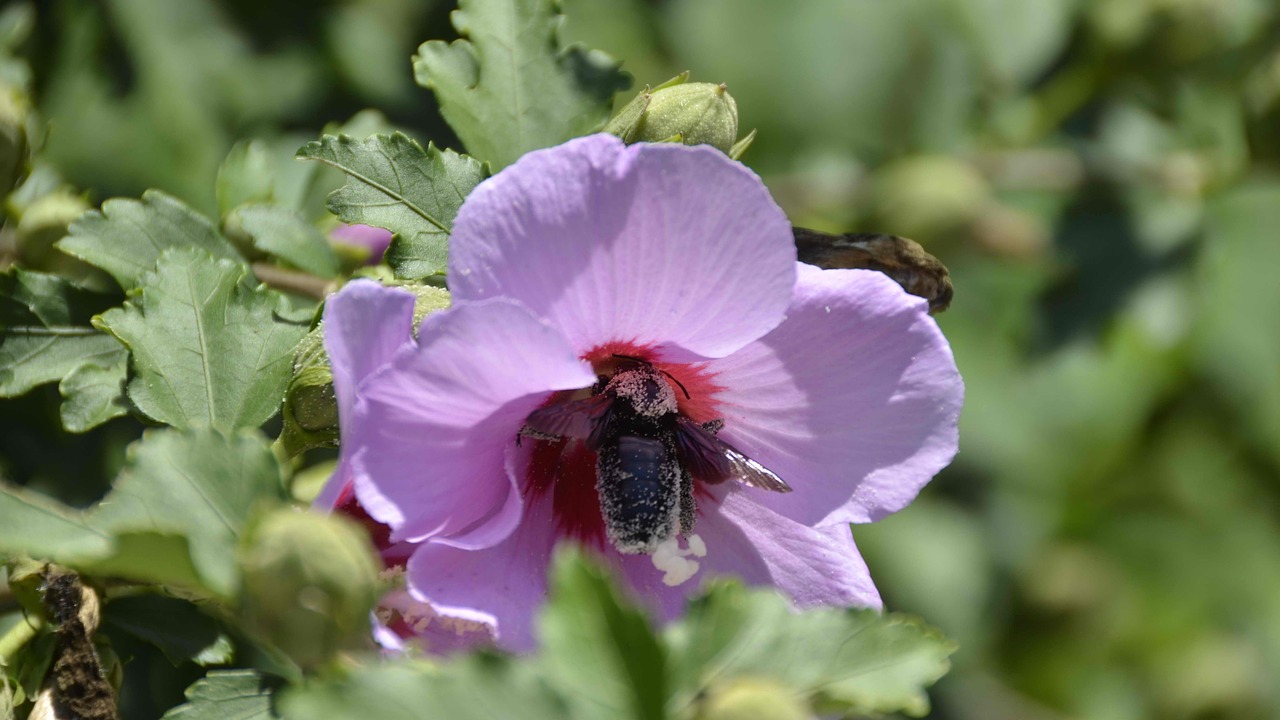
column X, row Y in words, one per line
column 853, row 400
column 663, row 246
column 501, row 586
column 746, row 540
column 437, row 419
column 366, row 324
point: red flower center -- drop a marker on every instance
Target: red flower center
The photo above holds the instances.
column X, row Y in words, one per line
column 567, row 468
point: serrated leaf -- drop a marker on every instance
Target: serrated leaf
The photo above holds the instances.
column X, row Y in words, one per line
column 480, row 687
column 45, row 331
column 127, row 236
column 208, row 349
column 598, row 651
column 392, row 183
column 199, row 486
column 856, row 661
column 177, row 627
column 506, row 87
column 278, row 231
column 93, row 393
column 227, row 695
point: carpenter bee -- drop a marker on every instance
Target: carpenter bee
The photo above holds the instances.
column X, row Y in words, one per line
column 903, row 260
column 647, row 454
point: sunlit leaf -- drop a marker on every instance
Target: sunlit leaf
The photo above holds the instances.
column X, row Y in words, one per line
column 208, row 349
column 127, row 236
column 393, row 183
column 507, row 87
column 278, row 231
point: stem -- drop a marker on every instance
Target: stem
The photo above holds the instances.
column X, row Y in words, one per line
column 293, row 281
column 18, row 636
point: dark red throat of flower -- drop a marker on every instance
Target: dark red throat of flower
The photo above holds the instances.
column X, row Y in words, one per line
column 567, row 467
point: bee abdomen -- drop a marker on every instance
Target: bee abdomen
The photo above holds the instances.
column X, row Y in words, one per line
column 639, row 484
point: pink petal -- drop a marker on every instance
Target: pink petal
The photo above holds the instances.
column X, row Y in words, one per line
column 663, row 246
column 365, row 325
column 436, row 420
column 853, row 400
column 501, row 586
column 744, row 539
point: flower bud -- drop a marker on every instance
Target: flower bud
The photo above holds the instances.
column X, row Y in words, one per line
column 14, row 112
column 43, row 222
column 309, row 583
column 685, row 112
column 310, row 404
column 752, row 699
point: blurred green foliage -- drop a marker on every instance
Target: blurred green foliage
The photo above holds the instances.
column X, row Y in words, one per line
column 1102, row 177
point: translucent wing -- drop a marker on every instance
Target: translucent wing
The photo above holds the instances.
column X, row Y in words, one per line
column 713, row 460
column 584, row 419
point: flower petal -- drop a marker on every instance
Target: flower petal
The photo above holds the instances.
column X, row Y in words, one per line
column 853, row 400
column 501, row 586
column 744, row 539
column 437, row 419
column 365, row 325
column 665, row 246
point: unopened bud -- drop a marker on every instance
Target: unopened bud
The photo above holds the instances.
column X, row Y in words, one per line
column 753, row 699
column 685, row 112
column 310, row 404
column 44, row 222
column 15, row 109
column 309, row 584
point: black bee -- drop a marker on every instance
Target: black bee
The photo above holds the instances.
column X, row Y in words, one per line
column 647, row 454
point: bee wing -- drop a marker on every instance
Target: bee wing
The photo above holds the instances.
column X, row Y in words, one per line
column 713, row 460
column 584, row 419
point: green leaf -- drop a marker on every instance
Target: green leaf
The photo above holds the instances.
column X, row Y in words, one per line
column 174, row 516
column 175, row 626
column 1234, row 340
column 506, row 87
column 198, row 485
column 208, row 349
column 33, row 525
column 45, row 331
column 247, row 175
column 93, row 393
column 597, row 650
column 278, row 231
column 478, row 687
column 856, row 661
column 127, row 236
column 227, row 695
column 393, row 183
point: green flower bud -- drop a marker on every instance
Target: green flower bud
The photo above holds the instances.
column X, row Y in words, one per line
column 309, row 582
column 925, row 196
column 43, row 223
column 15, row 109
column 685, row 112
column 753, row 699
column 310, row 405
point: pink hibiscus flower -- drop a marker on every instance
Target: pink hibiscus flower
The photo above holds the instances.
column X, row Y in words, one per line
column 592, row 259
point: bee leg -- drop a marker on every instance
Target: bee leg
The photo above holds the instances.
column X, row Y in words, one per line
column 688, row 508
column 713, row 426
